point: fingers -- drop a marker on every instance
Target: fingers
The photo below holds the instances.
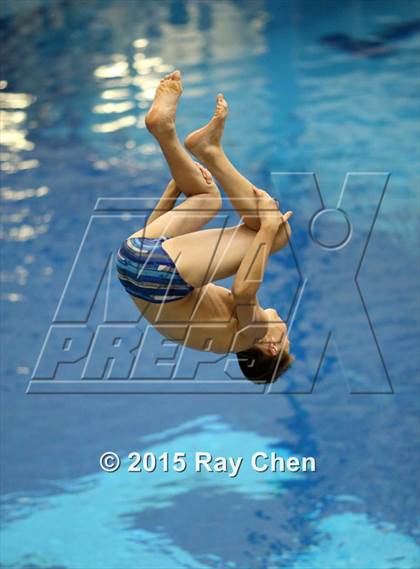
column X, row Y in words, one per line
column 206, row 174
column 263, row 195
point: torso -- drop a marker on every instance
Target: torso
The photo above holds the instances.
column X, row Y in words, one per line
column 204, row 320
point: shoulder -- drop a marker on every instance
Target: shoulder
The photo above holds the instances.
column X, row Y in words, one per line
column 217, row 291
column 211, row 302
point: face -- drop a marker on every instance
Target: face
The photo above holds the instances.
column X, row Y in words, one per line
column 276, row 338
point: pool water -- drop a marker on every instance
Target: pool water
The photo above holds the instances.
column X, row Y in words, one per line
column 326, row 88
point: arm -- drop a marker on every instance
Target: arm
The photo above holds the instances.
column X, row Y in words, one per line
column 247, row 282
column 251, row 270
column 171, row 194
column 166, row 202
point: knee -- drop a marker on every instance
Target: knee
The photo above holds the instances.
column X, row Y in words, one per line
column 211, row 199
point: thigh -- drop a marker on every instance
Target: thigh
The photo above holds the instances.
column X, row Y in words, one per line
column 191, row 215
column 213, row 254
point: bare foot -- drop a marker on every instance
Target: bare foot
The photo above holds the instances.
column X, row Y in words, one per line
column 207, row 140
column 161, row 116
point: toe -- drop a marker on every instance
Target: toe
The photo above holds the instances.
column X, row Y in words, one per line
column 221, row 101
column 221, row 106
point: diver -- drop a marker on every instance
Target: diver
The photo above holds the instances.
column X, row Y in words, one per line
column 170, row 266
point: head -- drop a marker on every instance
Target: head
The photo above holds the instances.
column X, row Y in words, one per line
column 270, row 356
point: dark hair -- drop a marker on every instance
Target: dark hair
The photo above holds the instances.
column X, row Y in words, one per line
column 261, row 368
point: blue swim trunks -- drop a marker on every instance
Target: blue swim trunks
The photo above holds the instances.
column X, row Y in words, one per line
column 146, row 271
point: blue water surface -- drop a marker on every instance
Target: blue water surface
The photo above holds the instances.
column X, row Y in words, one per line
column 328, row 88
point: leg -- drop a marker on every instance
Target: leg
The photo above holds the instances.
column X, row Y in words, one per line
column 187, row 217
column 202, row 195
column 212, row 254
column 206, row 145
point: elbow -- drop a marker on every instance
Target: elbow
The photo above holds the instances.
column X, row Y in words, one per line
column 243, row 294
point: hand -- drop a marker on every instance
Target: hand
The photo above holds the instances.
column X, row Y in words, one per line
column 205, row 173
column 267, row 209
